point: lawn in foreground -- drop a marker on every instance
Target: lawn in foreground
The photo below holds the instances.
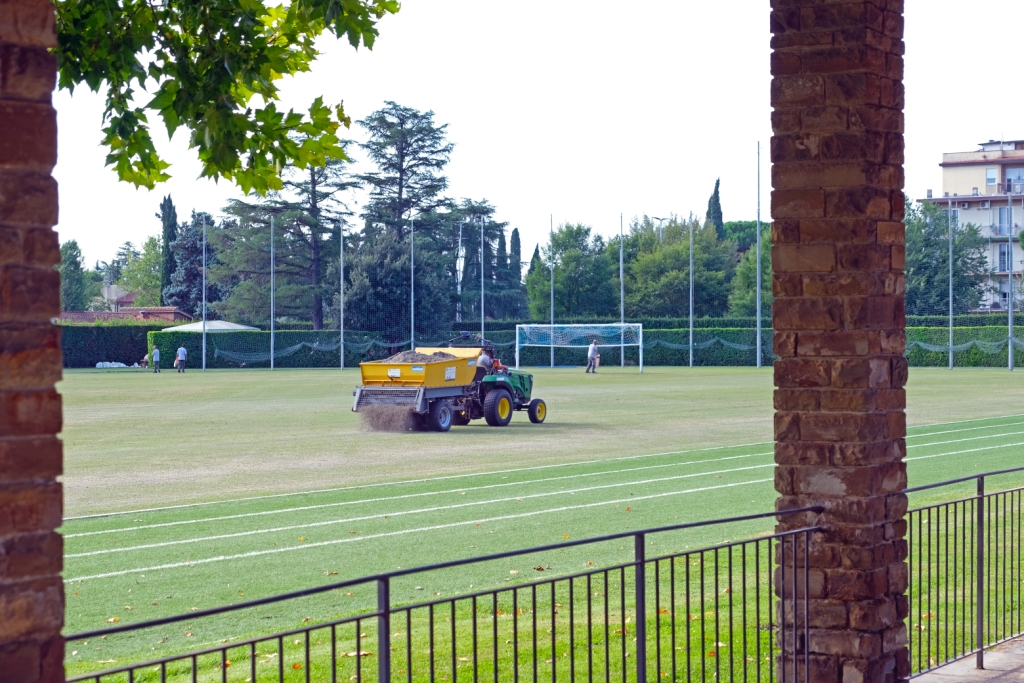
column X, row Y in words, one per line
column 265, row 541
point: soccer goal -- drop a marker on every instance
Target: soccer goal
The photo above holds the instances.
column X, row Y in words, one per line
column 611, row 335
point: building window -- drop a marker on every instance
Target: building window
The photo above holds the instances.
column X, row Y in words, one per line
column 1003, row 220
column 1004, row 258
column 991, row 176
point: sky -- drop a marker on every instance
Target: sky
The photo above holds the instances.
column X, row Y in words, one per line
column 580, row 110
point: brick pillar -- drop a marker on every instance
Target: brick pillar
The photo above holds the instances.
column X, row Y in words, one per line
column 838, row 258
column 31, row 552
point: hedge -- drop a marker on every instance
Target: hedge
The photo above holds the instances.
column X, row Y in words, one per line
column 86, row 345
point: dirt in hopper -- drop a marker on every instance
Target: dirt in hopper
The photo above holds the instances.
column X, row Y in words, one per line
column 415, row 357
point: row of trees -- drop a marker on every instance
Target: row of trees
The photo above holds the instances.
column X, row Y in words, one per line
column 457, row 246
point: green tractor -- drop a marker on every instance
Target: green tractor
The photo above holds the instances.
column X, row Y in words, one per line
column 450, row 386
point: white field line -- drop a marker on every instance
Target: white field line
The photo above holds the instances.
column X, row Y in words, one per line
column 418, row 481
column 418, row 511
column 442, row 508
column 407, row 495
column 472, row 489
column 971, row 450
column 495, row 472
column 484, row 520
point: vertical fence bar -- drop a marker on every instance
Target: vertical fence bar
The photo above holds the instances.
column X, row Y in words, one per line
column 640, row 577
column 979, row 586
column 383, row 630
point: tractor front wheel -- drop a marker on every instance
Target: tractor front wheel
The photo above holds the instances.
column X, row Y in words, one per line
column 498, row 408
column 537, row 411
column 439, row 418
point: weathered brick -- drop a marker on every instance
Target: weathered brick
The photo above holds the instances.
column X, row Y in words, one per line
column 28, row 199
column 30, row 458
column 30, row 136
column 805, row 313
column 28, row 22
column 30, row 507
column 27, row 73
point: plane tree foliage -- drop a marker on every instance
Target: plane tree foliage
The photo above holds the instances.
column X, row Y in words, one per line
column 212, row 68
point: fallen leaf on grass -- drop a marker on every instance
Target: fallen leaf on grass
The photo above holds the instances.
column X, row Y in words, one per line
column 302, row 538
column 74, row 652
column 565, row 535
column 193, row 609
column 188, row 634
column 296, row 666
column 305, row 620
column 463, row 659
column 539, row 568
column 241, row 593
column 330, row 573
column 627, row 509
column 113, row 620
column 514, row 571
column 662, row 611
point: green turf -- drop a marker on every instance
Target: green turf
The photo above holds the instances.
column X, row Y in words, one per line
column 282, row 489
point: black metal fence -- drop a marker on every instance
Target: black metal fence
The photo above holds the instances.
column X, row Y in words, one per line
column 966, row 573
column 712, row 613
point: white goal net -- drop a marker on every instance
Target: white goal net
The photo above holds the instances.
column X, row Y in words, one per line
column 609, row 336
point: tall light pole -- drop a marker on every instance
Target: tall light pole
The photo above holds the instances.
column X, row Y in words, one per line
column 1009, row 298
column 204, row 293
column 412, row 284
column 272, row 292
column 622, row 299
column 552, row 333
column 483, row 222
column 458, row 275
column 661, row 227
column 341, row 292
column 949, row 223
column 691, row 291
column 759, row 359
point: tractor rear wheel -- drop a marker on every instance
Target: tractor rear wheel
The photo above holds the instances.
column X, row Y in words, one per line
column 498, row 408
column 537, row 411
column 439, row 418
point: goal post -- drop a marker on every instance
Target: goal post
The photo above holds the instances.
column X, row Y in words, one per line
column 609, row 335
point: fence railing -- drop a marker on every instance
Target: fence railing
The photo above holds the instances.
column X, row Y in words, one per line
column 966, row 566
column 711, row 613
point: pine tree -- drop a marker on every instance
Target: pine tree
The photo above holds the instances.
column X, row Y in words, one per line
column 501, row 273
column 714, row 215
column 169, row 220
column 186, row 288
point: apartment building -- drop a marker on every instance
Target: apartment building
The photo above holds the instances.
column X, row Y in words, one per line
column 986, row 188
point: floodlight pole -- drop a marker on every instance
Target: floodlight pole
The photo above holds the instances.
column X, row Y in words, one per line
column 759, row 358
column 483, row 222
column 458, row 275
column 551, row 334
column 691, row 291
column 272, row 293
column 204, row 292
column 949, row 222
column 1009, row 298
column 412, row 284
column 622, row 300
column 341, row 293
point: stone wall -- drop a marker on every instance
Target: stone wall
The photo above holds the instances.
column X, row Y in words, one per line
column 31, row 552
column 838, row 259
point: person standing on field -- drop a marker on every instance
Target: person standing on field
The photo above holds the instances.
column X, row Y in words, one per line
column 182, row 357
column 155, row 357
column 592, row 356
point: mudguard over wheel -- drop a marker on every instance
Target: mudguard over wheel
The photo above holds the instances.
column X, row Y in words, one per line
column 537, row 411
column 439, row 418
column 498, row 408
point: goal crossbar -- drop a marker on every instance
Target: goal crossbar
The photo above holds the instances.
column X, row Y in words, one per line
column 608, row 335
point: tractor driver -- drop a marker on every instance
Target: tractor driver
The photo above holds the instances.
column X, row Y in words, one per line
column 486, row 360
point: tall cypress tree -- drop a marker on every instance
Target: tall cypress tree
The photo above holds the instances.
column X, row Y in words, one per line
column 714, row 215
column 535, row 261
column 169, row 219
column 501, row 272
column 515, row 257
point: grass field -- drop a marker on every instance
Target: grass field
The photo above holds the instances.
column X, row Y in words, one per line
column 192, row 491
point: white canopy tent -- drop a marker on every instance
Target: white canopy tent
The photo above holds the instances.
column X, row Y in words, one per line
column 211, row 326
